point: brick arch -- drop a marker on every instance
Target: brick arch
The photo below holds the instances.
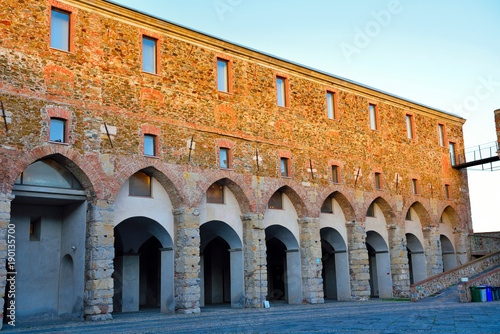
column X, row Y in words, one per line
column 386, row 210
column 422, row 212
column 451, row 212
column 244, row 196
column 295, row 198
column 86, row 172
column 168, row 177
column 343, row 201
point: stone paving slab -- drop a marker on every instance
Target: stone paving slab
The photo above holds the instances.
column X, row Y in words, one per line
column 341, row 317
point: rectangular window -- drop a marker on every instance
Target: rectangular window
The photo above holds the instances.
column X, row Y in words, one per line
column 223, row 75
column 441, row 134
column 281, row 91
column 447, row 191
column 148, row 54
column 373, row 117
column 452, row 154
column 57, row 130
column 414, row 183
column 330, row 101
column 408, row 215
column 284, row 167
column 327, row 206
column 276, row 201
column 150, row 145
column 215, row 194
column 378, row 183
column 35, row 227
column 409, row 126
column 335, row 174
column 224, row 157
column 59, row 29
column 139, row 185
column 371, row 211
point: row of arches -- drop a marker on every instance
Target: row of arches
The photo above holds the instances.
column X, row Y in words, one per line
column 146, row 239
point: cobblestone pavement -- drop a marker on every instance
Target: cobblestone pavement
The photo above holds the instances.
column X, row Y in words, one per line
column 375, row 316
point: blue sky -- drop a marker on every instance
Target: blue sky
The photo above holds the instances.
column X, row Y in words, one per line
column 444, row 54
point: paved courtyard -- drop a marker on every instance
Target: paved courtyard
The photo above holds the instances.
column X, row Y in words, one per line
column 376, row 316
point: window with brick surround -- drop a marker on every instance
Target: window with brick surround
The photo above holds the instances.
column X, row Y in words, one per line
column 281, row 93
column 373, row 117
column 150, row 145
column 335, row 174
column 410, row 126
column 285, row 172
column 57, row 130
column 414, row 185
column 453, row 154
column 223, row 75
column 441, row 134
column 149, row 60
column 447, row 191
column 331, row 107
column 224, row 157
column 378, row 181
column 60, row 29
column 327, row 206
column 408, row 214
column 371, row 210
column 215, row 193
column 139, row 185
column 276, row 201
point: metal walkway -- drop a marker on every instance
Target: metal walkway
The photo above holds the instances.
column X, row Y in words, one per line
column 484, row 155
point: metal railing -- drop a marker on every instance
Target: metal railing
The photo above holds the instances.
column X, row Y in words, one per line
column 484, row 155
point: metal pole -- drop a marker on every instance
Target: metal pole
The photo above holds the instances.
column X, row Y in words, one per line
column 190, row 147
column 4, row 118
column 109, row 136
column 311, row 165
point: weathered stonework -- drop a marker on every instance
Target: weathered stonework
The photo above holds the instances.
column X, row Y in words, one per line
column 310, row 251
column 399, row 262
column 358, row 261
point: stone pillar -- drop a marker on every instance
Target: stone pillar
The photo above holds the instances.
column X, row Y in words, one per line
column 5, row 202
column 400, row 268
column 432, row 248
column 187, row 260
column 310, row 250
column 99, row 254
column 460, row 236
column 130, row 283
column 254, row 243
column 359, row 269
column 167, row 300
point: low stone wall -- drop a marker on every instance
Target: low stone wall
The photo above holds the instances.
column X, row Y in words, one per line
column 439, row 282
column 485, row 243
column 490, row 278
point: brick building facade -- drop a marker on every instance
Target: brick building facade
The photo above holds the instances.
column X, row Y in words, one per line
column 148, row 165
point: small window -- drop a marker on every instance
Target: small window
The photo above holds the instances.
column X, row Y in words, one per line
column 59, row 29
column 224, row 157
column 441, row 220
column 447, row 191
column 284, row 167
column 327, row 206
column 150, row 145
column 373, row 117
column 57, row 130
column 408, row 215
column 371, row 210
column 35, row 227
column 281, row 91
column 330, row 101
column 409, row 126
column 148, row 54
column 441, row 134
column 452, row 154
column 414, row 183
column 139, row 185
column 378, row 182
column 222, row 75
column 215, row 194
column 335, row 174
column 276, row 201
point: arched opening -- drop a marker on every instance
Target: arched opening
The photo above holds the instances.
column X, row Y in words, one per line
column 221, row 265
column 335, row 271
column 144, row 266
column 416, row 259
column 379, row 265
column 448, row 253
column 49, row 214
column 284, row 277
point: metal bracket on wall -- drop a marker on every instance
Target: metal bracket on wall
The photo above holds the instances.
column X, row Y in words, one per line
column 357, row 175
column 109, row 136
column 257, row 157
column 311, row 166
column 190, row 148
column 4, row 117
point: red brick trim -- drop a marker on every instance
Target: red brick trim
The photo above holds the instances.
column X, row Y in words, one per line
column 377, row 115
column 72, row 22
column 287, row 155
column 62, row 113
column 340, row 169
column 413, row 126
column 287, row 88
column 229, row 72
column 224, row 143
column 335, row 93
column 445, row 137
column 159, row 44
column 148, row 129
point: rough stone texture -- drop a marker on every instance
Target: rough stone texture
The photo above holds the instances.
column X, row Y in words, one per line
column 432, row 249
column 485, row 243
column 187, row 261
column 254, row 241
column 400, row 269
column 439, row 282
column 359, row 269
column 310, row 252
column 491, row 278
column 98, row 293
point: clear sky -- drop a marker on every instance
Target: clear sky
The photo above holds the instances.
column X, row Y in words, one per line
column 444, row 54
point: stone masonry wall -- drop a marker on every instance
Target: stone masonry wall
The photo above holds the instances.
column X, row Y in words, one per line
column 491, row 278
column 485, row 243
